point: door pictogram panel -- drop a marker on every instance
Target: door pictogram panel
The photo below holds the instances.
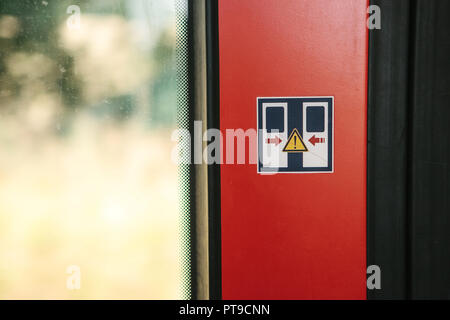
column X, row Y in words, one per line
column 295, row 135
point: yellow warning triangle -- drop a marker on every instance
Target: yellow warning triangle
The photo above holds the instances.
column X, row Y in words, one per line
column 295, row 143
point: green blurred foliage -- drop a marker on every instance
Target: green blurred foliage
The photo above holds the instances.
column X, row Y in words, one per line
column 40, row 24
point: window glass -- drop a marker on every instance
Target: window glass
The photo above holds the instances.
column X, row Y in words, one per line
column 88, row 195
column 315, row 119
column 275, row 119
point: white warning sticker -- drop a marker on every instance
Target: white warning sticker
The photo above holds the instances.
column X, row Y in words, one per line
column 295, row 135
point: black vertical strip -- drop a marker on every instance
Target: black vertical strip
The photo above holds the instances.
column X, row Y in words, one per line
column 387, row 148
column 430, row 152
column 410, row 117
column 213, row 118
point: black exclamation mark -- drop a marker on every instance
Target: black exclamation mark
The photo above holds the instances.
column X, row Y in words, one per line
column 295, row 142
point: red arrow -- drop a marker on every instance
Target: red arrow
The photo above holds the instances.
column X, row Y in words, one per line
column 315, row 140
column 275, row 141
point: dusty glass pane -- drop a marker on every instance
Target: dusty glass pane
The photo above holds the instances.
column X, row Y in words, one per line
column 88, row 194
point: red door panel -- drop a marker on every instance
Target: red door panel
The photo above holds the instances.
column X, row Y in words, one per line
column 295, row 236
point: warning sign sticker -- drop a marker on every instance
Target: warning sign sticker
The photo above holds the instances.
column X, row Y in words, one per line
column 295, row 143
column 295, row 134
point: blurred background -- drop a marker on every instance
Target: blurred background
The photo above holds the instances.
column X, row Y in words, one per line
column 88, row 103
